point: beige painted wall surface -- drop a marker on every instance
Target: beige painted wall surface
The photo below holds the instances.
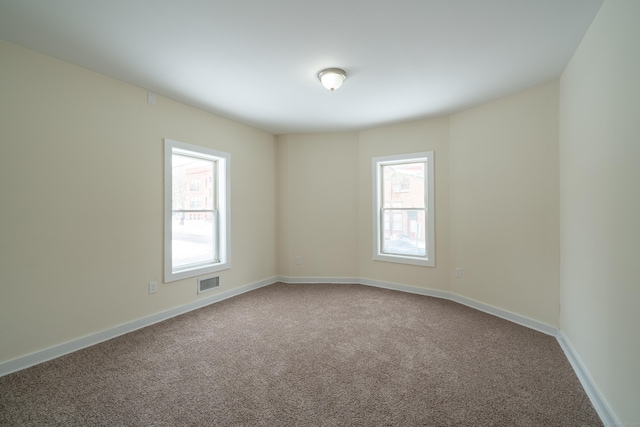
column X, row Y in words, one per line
column 420, row 135
column 600, row 205
column 317, row 205
column 81, row 183
column 504, row 203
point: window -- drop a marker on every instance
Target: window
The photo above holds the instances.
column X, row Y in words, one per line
column 403, row 225
column 196, row 236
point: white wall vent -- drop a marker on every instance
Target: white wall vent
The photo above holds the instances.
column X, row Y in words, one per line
column 207, row 284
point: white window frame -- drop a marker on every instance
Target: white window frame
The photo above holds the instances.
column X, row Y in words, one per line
column 221, row 205
column 427, row 260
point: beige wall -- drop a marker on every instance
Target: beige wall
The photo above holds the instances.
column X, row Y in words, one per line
column 497, row 164
column 412, row 137
column 81, row 182
column 325, row 203
column 84, row 172
column 317, row 205
column 600, row 205
column 504, row 203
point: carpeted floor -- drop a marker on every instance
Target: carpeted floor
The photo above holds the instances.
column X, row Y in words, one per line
column 309, row 355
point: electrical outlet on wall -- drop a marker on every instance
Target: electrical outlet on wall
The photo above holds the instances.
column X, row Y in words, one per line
column 298, row 260
column 153, row 287
column 458, row 272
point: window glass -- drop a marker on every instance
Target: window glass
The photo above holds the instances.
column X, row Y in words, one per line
column 193, row 236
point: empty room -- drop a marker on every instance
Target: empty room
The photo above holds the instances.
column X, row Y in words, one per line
column 419, row 212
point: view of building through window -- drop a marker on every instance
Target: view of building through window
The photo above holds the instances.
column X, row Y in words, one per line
column 404, row 208
column 193, row 212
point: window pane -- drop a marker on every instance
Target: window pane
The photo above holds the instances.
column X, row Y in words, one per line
column 193, row 233
column 192, row 238
column 406, row 236
column 192, row 179
column 403, row 185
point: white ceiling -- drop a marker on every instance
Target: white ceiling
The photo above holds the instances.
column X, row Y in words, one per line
column 256, row 61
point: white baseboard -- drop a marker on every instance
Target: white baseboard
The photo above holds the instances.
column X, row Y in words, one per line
column 304, row 280
column 369, row 282
column 498, row 312
column 504, row 314
column 406, row 288
column 597, row 400
column 507, row 315
column 50, row 353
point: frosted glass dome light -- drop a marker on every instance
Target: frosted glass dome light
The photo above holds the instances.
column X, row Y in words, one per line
column 332, row 78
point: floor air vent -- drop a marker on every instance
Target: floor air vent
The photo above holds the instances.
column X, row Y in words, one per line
column 205, row 285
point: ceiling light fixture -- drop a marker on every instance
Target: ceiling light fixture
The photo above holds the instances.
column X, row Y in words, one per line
column 332, row 78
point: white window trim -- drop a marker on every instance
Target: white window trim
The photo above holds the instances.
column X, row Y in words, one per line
column 223, row 190
column 376, row 162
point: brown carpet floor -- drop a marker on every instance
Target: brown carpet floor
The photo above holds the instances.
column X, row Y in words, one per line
column 309, row 355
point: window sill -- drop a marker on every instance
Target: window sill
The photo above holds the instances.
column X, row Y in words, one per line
column 399, row 259
column 194, row 272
